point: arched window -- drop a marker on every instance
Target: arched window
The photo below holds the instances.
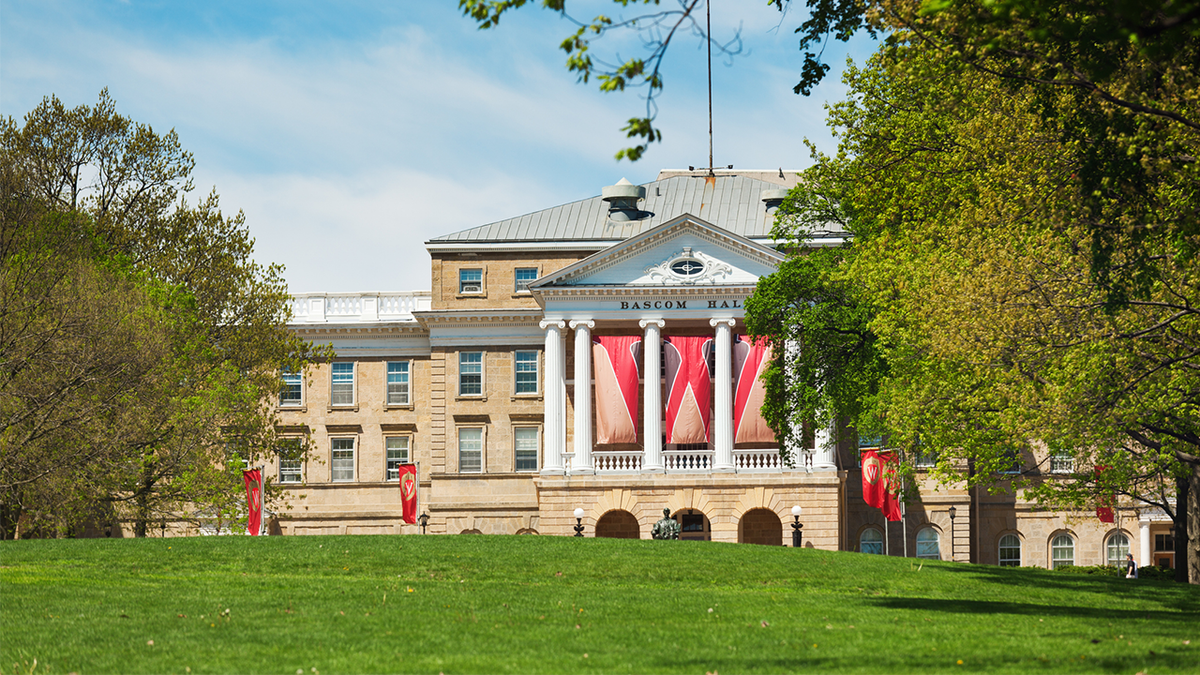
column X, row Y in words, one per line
column 1010, row 551
column 1116, row 550
column 871, row 541
column 927, row 544
column 1062, row 551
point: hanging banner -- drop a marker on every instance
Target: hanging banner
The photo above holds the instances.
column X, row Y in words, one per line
column 1105, row 501
column 409, row 484
column 254, row 501
column 689, row 389
column 881, row 488
column 615, row 366
column 750, row 361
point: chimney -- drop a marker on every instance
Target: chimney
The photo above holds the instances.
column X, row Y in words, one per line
column 623, row 200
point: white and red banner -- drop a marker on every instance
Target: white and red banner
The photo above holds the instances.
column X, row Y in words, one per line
column 254, row 501
column 409, row 484
column 750, row 361
column 689, row 388
column 880, row 488
column 615, row 365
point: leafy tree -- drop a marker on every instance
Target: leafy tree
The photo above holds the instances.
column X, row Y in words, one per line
column 140, row 344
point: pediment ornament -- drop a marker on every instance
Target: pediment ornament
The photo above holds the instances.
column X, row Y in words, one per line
column 689, row 268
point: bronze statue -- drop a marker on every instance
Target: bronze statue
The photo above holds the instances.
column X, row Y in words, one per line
column 666, row 528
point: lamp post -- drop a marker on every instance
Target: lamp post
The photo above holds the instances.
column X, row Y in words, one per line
column 578, row 522
column 423, row 519
column 952, row 512
column 796, row 527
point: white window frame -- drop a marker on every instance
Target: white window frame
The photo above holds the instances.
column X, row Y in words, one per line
column 1062, row 462
column 482, row 445
column 388, row 461
column 297, row 471
column 518, row 286
column 926, row 548
column 1111, row 546
column 537, row 447
column 333, row 374
column 387, row 383
column 537, row 372
column 482, row 370
column 464, row 284
column 1007, row 543
column 863, row 543
column 333, row 459
column 288, row 384
column 1060, row 545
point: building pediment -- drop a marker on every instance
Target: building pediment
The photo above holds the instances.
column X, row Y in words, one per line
column 686, row 252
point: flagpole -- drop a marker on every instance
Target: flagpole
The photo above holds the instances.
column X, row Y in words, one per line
column 887, row 538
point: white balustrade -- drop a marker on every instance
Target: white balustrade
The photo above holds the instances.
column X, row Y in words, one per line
column 758, row 460
column 358, row 307
column 688, row 460
column 617, row 462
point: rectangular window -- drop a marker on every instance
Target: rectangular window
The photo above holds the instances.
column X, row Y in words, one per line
column 343, row 459
column 522, row 276
column 525, row 448
column 470, row 374
column 925, row 459
column 290, row 471
column 470, row 450
column 1011, row 461
column 397, row 454
column 1062, row 462
column 470, row 281
column 1164, row 542
column 397, row 383
column 527, row 372
column 341, row 390
column 291, row 394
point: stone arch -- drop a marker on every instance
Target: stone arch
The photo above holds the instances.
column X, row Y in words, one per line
column 473, row 530
column 618, row 524
column 760, row 526
column 689, row 518
column 1065, row 555
column 527, row 530
column 621, row 499
column 695, row 499
column 764, row 498
column 877, row 540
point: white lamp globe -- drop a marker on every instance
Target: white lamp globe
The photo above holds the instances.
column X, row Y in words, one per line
column 578, row 513
column 796, row 511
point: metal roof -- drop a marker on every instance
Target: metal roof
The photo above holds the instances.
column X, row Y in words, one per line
column 731, row 202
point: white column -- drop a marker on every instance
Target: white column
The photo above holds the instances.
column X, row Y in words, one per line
column 554, row 398
column 1144, row 541
column 652, row 397
column 582, row 464
column 826, row 445
column 723, row 414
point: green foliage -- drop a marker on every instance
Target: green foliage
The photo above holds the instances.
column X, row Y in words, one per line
column 137, row 335
column 539, row 604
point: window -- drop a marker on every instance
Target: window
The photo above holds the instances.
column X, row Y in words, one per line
column 522, row 276
column 470, row 450
column 289, row 471
column 927, row 544
column 342, row 385
column 292, row 393
column 470, row 281
column 1062, row 551
column 1164, row 542
column 1010, row 462
column 397, row 383
column 1062, row 462
column 865, row 442
column 527, row 372
column 397, row 454
column 470, row 374
column 343, row 459
column 871, row 541
column 925, row 458
column 1116, row 550
column 1010, row 551
column 525, row 448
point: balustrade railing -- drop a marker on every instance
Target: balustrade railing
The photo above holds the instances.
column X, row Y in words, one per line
column 613, row 462
column 758, row 460
column 358, row 307
column 687, row 460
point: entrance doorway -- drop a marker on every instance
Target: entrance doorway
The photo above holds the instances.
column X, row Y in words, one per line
column 693, row 525
column 618, row 524
column 760, row 526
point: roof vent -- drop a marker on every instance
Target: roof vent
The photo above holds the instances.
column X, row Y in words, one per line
column 774, row 197
column 622, row 200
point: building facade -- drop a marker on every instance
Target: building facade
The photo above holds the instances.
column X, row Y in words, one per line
column 499, row 383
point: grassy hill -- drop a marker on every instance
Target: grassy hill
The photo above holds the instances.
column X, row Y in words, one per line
column 480, row 604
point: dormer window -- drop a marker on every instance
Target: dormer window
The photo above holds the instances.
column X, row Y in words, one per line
column 470, row 281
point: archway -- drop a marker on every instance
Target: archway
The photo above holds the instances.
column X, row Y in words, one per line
column 760, row 526
column 693, row 525
column 618, row 524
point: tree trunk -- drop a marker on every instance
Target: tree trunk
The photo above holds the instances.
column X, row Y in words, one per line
column 142, row 524
column 1191, row 546
column 1182, row 494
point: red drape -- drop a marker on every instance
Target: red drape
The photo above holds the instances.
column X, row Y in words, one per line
column 689, row 389
column 750, row 360
column 615, row 367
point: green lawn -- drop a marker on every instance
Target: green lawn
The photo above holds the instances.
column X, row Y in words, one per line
column 481, row 604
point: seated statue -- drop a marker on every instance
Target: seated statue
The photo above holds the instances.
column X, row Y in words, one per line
column 666, row 528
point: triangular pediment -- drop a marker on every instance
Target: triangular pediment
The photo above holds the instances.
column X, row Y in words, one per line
column 686, row 251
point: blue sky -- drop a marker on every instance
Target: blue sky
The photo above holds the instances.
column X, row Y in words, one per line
column 351, row 132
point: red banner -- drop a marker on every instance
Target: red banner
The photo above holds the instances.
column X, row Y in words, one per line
column 1104, row 503
column 408, row 492
column 254, row 501
column 750, row 361
column 880, row 488
column 616, row 371
column 689, row 389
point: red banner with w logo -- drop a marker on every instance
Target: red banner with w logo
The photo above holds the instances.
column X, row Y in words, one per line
column 408, row 492
column 880, row 486
column 254, row 501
